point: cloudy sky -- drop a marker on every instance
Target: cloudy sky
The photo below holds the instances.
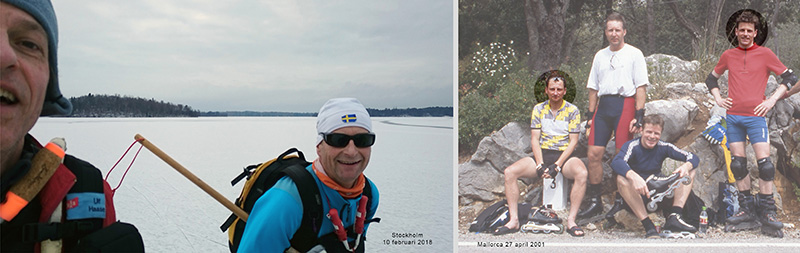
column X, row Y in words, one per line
column 271, row 55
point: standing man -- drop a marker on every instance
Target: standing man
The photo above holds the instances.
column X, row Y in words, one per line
column 554, row 135
column 642, row 157
column 619, row 79
column 72, row 203
column 344, row 145
column 748, row 67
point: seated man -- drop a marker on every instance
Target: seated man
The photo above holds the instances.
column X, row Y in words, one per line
column 641, row 157
column 554, row 135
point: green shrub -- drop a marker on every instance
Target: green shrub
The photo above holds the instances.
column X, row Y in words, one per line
column 479, row 115
column 487, row 68
column 785, row 44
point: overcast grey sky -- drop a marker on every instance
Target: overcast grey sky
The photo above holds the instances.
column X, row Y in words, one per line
column 285, row 55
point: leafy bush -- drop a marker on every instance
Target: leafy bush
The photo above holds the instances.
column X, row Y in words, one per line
column 487, row 68
column 495, row 90
column 479, row 115
column 785, row 45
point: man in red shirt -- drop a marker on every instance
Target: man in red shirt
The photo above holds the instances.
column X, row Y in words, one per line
column 748, row 67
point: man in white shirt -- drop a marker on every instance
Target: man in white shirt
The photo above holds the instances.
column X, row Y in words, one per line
column 617, row 91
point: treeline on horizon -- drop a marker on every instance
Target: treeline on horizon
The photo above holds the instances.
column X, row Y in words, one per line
column 92, row 105
column 125, row 106
column 436, row 111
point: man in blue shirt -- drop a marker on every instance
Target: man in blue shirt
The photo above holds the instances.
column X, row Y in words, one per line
column 344, row 145
column 641, row 157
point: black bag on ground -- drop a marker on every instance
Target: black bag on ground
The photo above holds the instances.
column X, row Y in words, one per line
column 693, row 207
column 497, row 215
column 117, row 237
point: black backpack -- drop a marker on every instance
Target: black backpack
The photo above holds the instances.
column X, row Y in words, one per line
column 261, row 177
column 497, row 215
column 691, row 211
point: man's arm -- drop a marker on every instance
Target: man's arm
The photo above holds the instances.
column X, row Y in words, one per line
column 713, row 87
column 620, row 165
column 691, row 160
column 275, row 218
column 536, row 148
column 640, row 98
column 592, row 105
column 790, row 80
column 795, row 88
column 767, row 104
column 573, row 142
column 620, row 162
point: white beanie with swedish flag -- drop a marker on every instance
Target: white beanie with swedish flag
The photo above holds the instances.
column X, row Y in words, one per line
column 342, row 112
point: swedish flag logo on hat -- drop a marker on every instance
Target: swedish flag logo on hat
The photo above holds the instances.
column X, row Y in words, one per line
column 348, row 118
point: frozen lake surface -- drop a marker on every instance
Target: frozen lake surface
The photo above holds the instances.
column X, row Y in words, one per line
column 411, row 164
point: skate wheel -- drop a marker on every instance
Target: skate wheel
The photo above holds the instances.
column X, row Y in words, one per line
column 687, row 181
column 547, row 231
column 670, row 194
column 651, row 206
column 560, row 229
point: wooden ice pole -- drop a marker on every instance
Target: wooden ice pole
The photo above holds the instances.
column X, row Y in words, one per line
column 197, row 181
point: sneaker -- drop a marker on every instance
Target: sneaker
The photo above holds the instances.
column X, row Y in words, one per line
column 675, row 223
column 652, row 234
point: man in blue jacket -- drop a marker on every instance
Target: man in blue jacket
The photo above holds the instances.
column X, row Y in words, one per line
column 641, row 157
column 344, row 144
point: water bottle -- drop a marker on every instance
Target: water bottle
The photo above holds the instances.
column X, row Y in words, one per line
column 703, row 221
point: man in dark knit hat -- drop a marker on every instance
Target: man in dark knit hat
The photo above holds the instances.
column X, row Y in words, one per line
column 73, row 201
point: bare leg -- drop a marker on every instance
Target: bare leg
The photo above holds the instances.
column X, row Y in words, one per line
column 595, row 156
column 682, row 192
column 575, row 169
column 631, row 197
column 525, row 167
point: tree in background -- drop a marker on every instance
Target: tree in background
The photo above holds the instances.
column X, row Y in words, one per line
column 565, row 34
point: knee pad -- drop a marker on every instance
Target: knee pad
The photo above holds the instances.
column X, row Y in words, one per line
column 739, row 167
column 766, row 170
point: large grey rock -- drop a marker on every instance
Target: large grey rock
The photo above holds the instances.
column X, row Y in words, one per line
column 478, row 181
column 677, row 115
column 504, row 147
column 674, row 68
column 708, row 174
column 680, row 90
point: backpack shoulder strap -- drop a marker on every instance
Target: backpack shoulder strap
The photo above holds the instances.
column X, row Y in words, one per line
column 368, row 192
column 306, row 236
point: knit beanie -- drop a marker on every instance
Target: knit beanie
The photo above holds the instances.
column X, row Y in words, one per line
column 342, row 112
column 42, row 11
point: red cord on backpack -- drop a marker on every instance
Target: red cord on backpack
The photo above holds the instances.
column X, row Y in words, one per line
column 361, row 215
column 338, row 228
column 126, row 170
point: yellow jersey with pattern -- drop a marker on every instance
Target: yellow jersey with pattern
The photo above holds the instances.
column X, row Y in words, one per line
column 556, row 126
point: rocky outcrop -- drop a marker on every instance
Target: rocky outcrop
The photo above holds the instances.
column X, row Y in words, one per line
column 674, row 68
column 481, row 177
column 685, row 107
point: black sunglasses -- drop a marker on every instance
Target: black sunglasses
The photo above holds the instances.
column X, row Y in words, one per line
column 342, row 140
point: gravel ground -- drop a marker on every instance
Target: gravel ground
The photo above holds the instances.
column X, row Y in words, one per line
column 620, row 240
column 616, row 240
